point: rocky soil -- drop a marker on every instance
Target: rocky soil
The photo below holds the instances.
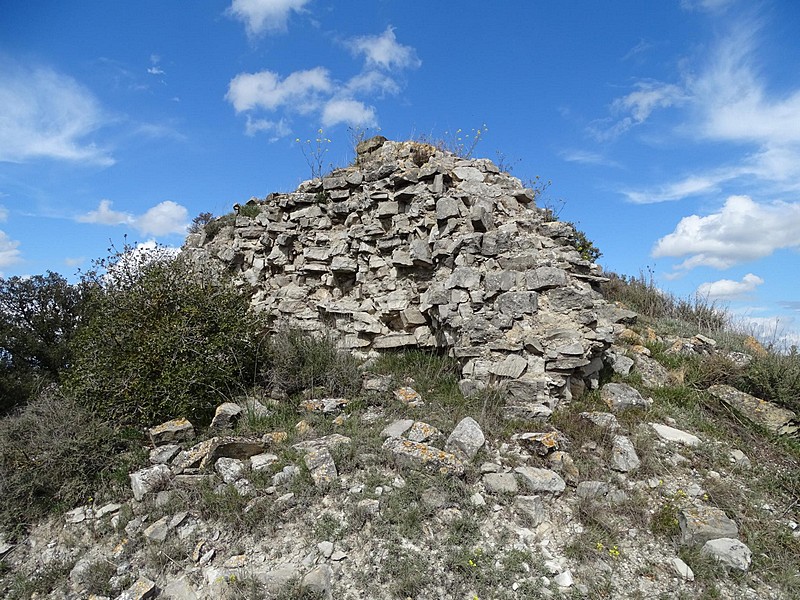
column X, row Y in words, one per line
column 516, row 434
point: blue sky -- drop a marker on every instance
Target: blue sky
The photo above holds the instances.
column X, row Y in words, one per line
column 670, row 129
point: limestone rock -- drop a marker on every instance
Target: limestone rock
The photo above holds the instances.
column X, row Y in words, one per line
column 670, row 434
column 321, row 466
column 701, row 524
column 142, row 589
column 225, row 416
column 419, row 455
column 620, row 397
column 540, row 480
column 149, row 479
column 682, row 569
column 500, row 483
column 767, row 414
column 466, row 439
column 623, row 455
column 230, row 469
column 531, row 509
column 318, row 580
column 176, row 430
column 729, row 551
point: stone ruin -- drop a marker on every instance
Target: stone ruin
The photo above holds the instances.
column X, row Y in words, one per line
column 414, row 247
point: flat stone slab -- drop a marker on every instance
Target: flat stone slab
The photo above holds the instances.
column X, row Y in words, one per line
column 397, row 428
column 176, row 430
column 703, row 523
column 769, row 415
column 670, row 434
column 620, row 397
column 730, row 552
column 500, row 483
column 420, row 455
column 206, row 453
column 541, row 480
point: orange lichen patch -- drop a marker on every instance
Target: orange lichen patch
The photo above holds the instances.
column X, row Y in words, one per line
column 120, row 548
column 302, row 427
column 275, row 438
column 630, row 336
column 754, row 346
column 409, row 396
column 543, row 443
column 312, row 405
column 423, row 455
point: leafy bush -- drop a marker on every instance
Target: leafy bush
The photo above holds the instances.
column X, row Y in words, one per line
column 200, row 221
column 214, row 226
column 38, row 317
column 162, row 340
column 774, row 377
column 54, row 454
column 584, row 245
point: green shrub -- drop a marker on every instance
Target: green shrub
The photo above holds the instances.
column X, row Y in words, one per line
column 641, row 295
column 774, row 377
column 38, row 317
column 162, row 340
column 299, row 361
column 200, row 222
column 214, row 226
column 54, row 454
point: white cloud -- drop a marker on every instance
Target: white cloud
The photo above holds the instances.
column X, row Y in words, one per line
column 384, row 51
column 587, row 158
column 728, row 102
column 155, row 69
column 128, row 265
column 741, row 231
column 689, row 186
column 726, row 289
column 278, row 129
column 637, row 107
column 778, row 332
column 74, row 261
column 105, row 216
column 370, row 82
column 707, row 5
column 314, row 92
column 260, row 16
column 48, row 115
column 162, row 219
column 265, row 89
column 9, row 250
column 3, row 214
column 351, row 112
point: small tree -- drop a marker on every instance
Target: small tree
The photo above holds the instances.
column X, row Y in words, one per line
column 38, row 318
column 162, row 340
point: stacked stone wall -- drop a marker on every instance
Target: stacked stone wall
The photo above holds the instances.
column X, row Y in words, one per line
column 413, row 247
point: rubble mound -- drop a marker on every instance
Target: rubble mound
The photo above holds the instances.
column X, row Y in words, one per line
column 414, row 247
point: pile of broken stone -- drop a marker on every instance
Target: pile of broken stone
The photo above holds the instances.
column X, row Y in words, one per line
column 414, row 247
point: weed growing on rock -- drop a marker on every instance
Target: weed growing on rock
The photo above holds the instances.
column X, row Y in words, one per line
column 315, row 151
